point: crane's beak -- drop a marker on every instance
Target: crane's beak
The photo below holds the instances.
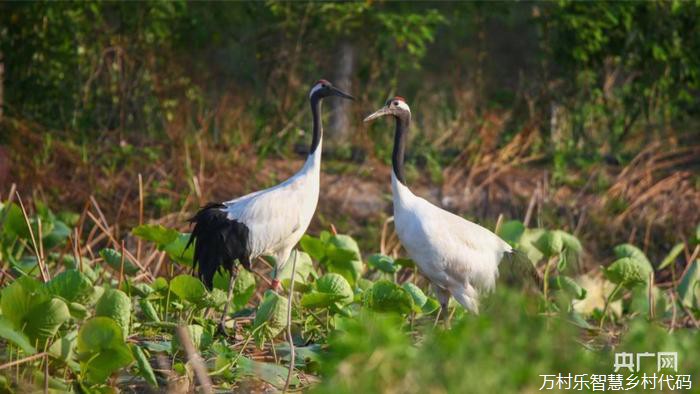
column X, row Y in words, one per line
column 340, row 93
column 379, row 113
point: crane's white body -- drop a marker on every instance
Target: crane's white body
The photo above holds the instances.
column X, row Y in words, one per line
column 459, row 257
column 278, row 217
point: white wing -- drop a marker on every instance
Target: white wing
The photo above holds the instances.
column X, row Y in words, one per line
column 452, row 252
column 277, row 217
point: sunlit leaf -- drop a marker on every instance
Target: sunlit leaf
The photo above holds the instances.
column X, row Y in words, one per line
column 382, row 263
column 628, row 271
column 304, row 269
column 71, row 285
column 315, row 247
column 631, row 251
column 419, row 298
column 272, row 312
column 387, row 296
column 114, row 260
column 511, row 231
column 116, row 305
column 18, row 338
column 188, row 288
column 44, row 320
column 271, row 373
column 671, row 256
column 144, row 367
column 336, row 284
column 101, row 349
column 156, row 233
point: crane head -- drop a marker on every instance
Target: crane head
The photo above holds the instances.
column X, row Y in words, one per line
column 396, row 107
column 323, row 89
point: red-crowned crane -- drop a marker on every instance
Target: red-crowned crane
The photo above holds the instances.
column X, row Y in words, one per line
column 460, row 258
column 267, row 222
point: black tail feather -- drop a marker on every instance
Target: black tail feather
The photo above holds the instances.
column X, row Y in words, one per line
column 218, row 242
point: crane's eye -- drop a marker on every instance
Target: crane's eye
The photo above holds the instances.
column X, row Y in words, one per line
column 396, row 103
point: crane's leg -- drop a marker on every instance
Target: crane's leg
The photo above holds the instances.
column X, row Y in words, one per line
column 444, row 299
column 221, row 328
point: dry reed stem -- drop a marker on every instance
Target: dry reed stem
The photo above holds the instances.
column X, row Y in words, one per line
column 42, row 266
column 23, row 360
column 138, row 241
column 200, row 370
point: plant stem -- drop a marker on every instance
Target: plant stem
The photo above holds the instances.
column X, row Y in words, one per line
column 545, row 288
column 607, row 303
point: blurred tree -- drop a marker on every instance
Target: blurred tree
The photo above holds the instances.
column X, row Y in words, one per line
column 618, row 63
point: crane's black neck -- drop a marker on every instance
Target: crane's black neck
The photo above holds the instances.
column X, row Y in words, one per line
column 317, row 126
column 397, row 157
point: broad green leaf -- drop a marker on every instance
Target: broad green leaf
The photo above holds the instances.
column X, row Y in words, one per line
column 215, row 299
column 160, row 285
column 304, row 269
column 404, row 262
column 99, row 333
column 511, row 231
column 570, row 286
column 145, row 369
column 148, row 310
column 71, row 285
column 336, row 284
column 550, row 243
column 431, row 305
column 315, row 299
column 527, row 240
column 101, row 349
column 78, row 310
column 315, row 247
column 571, row 251
column 628, row 271
column 64, row 348
column 14, row 225
column 176, row 249
column 364, row 284
column 44, row 320
column 57, row 236
column 20, row 297
column 18, row 338
column 116, row 305
column 156, row 233
column 639, row 300
column 272, row 312
column 387, row 296
column 343, row 257
column 188, row 288
column 631, row 251
column 419, row 298
column 114, row 260
column 305, row 355
column 570, row 242
column 271, row 373
column 141, row 290
column 671, row 256
column 243, row 288
column 382, row 263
